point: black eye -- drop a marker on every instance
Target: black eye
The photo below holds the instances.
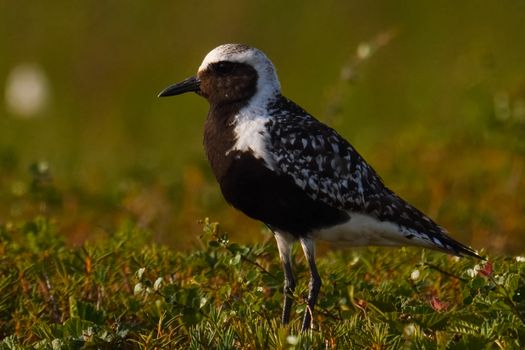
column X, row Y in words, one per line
column 224, row 67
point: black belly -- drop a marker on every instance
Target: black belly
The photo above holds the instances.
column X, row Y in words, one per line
column 274, row 199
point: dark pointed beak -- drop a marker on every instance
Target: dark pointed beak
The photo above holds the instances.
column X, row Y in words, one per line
column 190, row 84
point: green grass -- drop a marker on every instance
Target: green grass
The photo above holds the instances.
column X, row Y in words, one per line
column 123, row 291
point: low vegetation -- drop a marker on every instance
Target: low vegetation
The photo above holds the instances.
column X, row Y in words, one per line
column 123, row 291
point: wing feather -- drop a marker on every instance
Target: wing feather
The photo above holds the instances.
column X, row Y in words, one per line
column 329, row 169
column 319, row 160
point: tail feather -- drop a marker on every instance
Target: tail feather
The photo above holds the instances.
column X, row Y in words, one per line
column 454, row 247
column 417, row 226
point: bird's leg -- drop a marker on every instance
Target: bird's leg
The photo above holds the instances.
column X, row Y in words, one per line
column 284, row 243
column 315, row 282
column 289, row 287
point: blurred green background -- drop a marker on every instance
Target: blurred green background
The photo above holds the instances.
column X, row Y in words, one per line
column 432, row 94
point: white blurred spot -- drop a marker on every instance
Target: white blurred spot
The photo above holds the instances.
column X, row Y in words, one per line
column 415, row 275
column 354, row 261
column 26, row 90
column 363, row 51
column 409, row 330
column 42, row 167
column 520, row 258
column 292, row 340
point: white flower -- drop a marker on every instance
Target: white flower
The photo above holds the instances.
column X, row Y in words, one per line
column 292, row 340
column 473, row 272
column 203, row 302
column 409, row 330
column 520, row 258
column 158, row 283
column 139, row 289
column 499, row 279
column 415, row 275
column 88, row 333
column 57, row 344
column 140, row 272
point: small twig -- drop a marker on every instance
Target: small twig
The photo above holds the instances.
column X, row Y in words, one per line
column 257, row 265
column 319, row 309
column 439, row 269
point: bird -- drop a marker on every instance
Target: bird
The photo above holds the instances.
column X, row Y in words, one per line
column 280, row 165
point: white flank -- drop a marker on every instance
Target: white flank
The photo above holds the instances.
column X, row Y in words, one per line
column 363, row 230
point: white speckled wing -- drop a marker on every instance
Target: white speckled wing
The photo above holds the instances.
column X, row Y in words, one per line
column 320, row 161
column 329, row 169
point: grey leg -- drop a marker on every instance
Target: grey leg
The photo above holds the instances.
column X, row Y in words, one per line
column 284, row 243
column 315, row 282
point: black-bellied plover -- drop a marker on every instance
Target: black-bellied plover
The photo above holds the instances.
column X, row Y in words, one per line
column 278, row 164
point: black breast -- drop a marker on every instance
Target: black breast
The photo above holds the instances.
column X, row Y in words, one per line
column 251, row 187
column 274, row 199
column 219, row 138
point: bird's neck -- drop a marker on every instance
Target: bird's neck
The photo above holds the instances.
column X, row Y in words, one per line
column 219, row 136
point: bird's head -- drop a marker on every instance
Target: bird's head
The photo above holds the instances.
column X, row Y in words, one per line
column 231, row 73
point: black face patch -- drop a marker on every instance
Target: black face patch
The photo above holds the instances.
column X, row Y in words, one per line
column 223, row 68
column 228, row 82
